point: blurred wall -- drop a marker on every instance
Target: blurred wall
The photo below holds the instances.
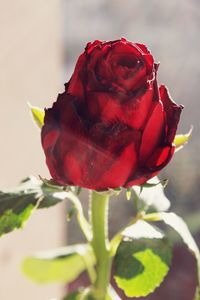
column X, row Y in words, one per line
column 30, row 70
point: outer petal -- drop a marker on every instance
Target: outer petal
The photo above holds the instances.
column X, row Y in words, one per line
column 140, row 178
column 153, row 133
column 172, row 113
column 62, row 128
column 147, row 56
column 77, row 81
column 121, row 168
column 113, row 155
column 159, row 159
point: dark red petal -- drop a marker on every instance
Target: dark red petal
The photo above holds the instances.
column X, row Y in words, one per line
column 120, row 170
column 99, row 73
column 62, row 125
column 172, row 113
column 131, row 110
column 140, row 178
column 91, row 167
column 143, row 48
column 152, row 135
column 76, row 83
column 104, row 71
column 50, row 138
column 130, row 80
column 160, row 158
column 125, row 54
column 147, row 56
column 125, row 48
column 91, row 45
column 72, row 168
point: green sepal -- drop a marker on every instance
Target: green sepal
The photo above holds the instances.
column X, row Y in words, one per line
column 182, row 139
column 37, row 115
column 110, row 192
column 163, row 182
column 128, row 193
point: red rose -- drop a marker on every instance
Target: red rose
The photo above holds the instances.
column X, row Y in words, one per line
column 112, row 126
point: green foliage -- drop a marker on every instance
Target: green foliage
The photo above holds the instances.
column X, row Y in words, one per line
column 181, row 228
column 62, row 265
column 17, row 205
column 142, row 260
column 37, row 115
column 74, row 296
column 16, row 216
column 178, row 224
column 197, row 294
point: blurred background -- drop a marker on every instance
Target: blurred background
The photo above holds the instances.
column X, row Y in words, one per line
column 40, row 43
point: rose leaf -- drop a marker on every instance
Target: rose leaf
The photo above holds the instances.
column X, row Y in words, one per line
column 59, row 265
column 16, row 205
column 142, row 260
column 178, row 224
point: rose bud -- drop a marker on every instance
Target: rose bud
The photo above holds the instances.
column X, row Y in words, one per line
column 113, row 126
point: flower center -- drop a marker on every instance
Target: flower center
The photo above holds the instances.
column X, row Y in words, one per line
column 128, row 62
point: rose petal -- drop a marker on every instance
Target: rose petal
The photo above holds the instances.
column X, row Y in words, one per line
column 172, row 113
column 49, row 139
column 77, row 81
column 147, row 56
column 120, row 170
column 152, row 135
column 140, row 178
column 158, row 160
column 72, row 169
column 91, row 45
column 132, row 110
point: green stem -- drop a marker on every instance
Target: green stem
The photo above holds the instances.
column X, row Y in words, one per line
column 100, row 243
